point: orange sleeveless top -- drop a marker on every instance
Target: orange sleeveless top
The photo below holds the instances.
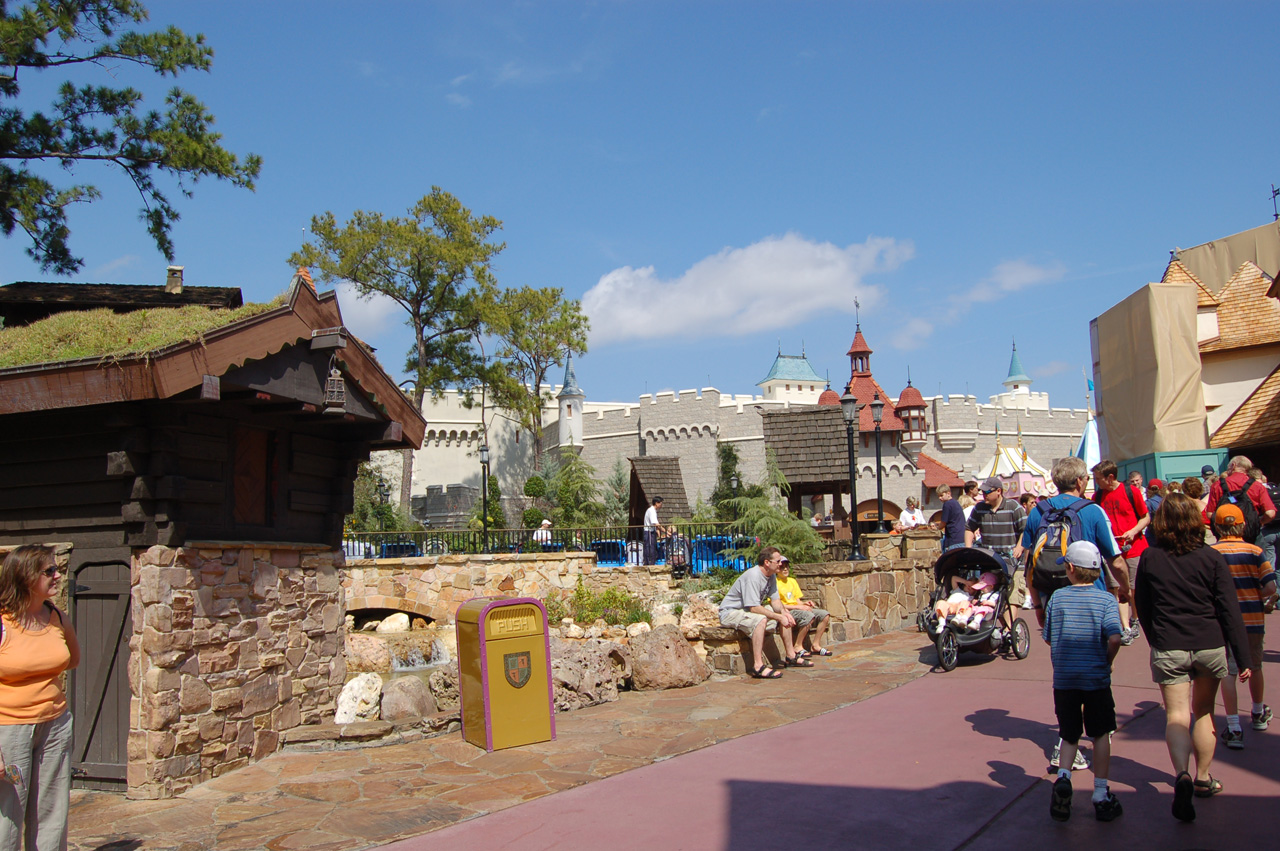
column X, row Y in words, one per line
column 30, row 662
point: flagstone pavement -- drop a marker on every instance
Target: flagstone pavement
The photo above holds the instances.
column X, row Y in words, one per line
column 338, row 800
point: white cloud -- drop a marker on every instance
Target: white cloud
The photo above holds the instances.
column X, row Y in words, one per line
column 371, row 318
column 113, row 267
column 775, row 283
column 459, row 100
column 912, row 334
column 1012, row 276
column 460, row 79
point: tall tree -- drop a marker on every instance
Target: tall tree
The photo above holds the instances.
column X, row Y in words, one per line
column 434, row 263
column 99, row 124
column 535, row 328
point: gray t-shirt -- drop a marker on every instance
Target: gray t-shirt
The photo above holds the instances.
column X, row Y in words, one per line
column 752, row 588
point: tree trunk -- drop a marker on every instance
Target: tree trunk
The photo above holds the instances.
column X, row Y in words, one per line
column 406, row 455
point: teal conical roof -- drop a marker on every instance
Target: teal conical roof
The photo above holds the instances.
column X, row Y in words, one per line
column 1017, row 375
column 570, row 387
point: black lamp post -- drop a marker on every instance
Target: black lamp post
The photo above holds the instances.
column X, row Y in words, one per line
column 384, row 495
column 484, row 495
column 877, row 411
column 849, row 410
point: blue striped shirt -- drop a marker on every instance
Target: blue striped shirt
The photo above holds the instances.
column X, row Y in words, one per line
column 1078, row 620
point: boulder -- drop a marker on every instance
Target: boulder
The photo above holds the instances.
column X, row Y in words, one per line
column 443, row 685
column 663, row 658
column 418, row 623
column 637, row 629
column 359, row 700
column 406, row 697
column 398, row 622
column 665, row 618
column 585, row 673
column 367, row 653
column 699, row 612
column 572, row 630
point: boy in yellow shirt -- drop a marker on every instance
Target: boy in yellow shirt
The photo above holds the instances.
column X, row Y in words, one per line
column 808, row 616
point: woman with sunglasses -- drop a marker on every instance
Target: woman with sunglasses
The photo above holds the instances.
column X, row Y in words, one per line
column 37, row 645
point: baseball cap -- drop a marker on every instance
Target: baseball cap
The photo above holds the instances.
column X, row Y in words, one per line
column 786, row 560
column 986, row 582
column 1082, row 554
column 1229, row 513
column 991, row 484
column 1206, row 470
column 1155, row 483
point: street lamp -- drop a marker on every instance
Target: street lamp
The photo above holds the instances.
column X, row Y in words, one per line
column 877, row 411
column 484, row 495
column 849, row 410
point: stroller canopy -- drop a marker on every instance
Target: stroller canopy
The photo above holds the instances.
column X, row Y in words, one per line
column 980, row 559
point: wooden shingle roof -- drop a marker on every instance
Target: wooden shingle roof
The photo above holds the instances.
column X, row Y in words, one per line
column 809, row 444
column 1246, row 316
column 24, row 302
column 1255, row 422
column 660, row 476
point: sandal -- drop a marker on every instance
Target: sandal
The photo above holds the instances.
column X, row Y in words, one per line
column 794, row 662
column 803, row 654
column 1207, row 788
column 1184, row 808
column 759, row 673
column 822, row 651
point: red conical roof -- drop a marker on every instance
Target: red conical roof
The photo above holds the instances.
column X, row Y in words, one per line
column 829, row 397
column 859, row 346
column 910, row 398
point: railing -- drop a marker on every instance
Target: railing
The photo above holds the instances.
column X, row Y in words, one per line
column 689, row 547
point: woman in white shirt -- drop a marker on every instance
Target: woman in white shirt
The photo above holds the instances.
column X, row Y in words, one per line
column 912, row 517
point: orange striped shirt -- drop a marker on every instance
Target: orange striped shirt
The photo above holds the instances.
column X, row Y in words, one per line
column 30, row 662
column 1249, row 571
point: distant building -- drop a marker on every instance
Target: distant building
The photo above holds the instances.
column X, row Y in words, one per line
column 925, row 441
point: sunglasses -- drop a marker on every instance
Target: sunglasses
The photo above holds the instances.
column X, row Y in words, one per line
column 51, row 572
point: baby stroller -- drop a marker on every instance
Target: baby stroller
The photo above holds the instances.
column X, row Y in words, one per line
column 979, row 634
column 678, row 555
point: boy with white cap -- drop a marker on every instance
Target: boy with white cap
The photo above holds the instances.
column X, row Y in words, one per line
column 1082, row 627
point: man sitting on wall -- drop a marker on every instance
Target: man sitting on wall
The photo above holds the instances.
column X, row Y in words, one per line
column 753, row 605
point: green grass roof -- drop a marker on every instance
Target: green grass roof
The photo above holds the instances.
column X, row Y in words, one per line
column 103, row 333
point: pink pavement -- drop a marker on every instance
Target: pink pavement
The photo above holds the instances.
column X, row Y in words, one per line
column 947, row 761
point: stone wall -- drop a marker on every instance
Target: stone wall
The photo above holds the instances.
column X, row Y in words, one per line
column 435, row 586
column 232, row 645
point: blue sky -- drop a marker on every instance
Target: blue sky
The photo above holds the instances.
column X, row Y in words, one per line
column 717, row 179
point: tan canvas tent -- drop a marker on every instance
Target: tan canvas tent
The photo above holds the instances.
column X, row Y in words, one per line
column 1147, row 372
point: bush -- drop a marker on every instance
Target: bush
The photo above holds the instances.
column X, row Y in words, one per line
column 614, row 605
column 532, row 518
column 535, row 487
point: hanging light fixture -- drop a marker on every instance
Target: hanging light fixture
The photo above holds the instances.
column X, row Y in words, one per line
column 335, row 389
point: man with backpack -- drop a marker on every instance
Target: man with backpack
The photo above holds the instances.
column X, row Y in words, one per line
column 1056, row 523
column 1270, row 533
column 1249, row 496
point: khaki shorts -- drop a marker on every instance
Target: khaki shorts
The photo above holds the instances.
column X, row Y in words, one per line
column 1171, row 667
column 1018, row 594
column 745, row 621
column 804, row 615
column 1255, row 650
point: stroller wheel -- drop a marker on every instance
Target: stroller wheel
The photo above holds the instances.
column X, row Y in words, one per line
column 948, row 650
column 1021, row 639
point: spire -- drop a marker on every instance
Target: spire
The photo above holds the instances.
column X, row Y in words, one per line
column 1017, row 380
column 570, row 387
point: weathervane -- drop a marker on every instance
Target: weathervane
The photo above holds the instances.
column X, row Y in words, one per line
column 1275, row 213
column 857, row 318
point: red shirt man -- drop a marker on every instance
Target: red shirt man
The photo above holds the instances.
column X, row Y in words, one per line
column 1125, row 507
column 1237, row 477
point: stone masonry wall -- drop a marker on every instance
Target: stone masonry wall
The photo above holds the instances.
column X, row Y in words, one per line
column 435, row 586
column 233, row 644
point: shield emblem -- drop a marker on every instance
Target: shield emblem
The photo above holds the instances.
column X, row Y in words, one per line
column 517, row 667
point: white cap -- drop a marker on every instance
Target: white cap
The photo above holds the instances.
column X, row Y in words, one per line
column 1082, row 554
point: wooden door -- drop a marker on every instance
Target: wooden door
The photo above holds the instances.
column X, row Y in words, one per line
column 99, row 688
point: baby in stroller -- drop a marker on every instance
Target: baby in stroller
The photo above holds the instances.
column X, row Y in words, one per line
column 971, row 602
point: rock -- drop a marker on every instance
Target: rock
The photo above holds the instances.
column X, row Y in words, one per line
column 398, row 622
column 407, row 697
column 663, row 658
column 359, row 700
column 666, row 618
column 566, row 622
column 637, row 629
column 418, row 623
column 370, row 626
column 443, row 685
column 573, row 631
column 614, row 633
column 349, row 623
column 595, row 631
column 699, row 612
column 367, row 653
column 585, row 673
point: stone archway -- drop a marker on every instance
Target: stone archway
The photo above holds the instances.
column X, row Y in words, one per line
column 380, row 601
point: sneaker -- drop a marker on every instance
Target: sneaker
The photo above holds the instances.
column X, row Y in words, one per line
column 1060, row 803
column 1135, row 627
column 1262, row 719
column 1077, row 764
column 1233, row 739
column 1108, row 809
column 1127, row 636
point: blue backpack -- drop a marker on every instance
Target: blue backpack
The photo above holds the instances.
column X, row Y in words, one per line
column 1058, row 528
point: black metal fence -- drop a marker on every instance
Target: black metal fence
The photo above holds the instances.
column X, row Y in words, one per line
column 689, row 547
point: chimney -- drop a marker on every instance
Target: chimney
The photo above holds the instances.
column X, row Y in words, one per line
column 173, row 283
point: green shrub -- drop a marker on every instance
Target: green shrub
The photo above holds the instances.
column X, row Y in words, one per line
column 613, row 605
column 532, row 518
column 556, row 609
column 677, row 609
column 535, row 487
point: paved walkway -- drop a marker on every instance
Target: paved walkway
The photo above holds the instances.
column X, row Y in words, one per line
column 362, row 798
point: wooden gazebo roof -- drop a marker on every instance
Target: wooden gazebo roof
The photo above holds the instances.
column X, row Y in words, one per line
column 810, row 447
column 653, row 476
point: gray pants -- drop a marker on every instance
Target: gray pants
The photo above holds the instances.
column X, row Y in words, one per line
column 42, row 753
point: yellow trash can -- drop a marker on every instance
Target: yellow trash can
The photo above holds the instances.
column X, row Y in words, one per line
column 504, row 672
